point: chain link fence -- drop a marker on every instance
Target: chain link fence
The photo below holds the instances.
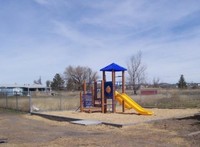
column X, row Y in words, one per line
column 56, row 101
column 60, row 101
column 15, row 101
column 40, row 101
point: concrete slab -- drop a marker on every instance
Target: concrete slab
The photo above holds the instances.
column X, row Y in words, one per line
column 78, row 121
column 87, row 122
column 194, row 133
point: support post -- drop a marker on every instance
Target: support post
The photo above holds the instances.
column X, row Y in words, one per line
column 113, row 97
column 104, row 76
column 93, row 93
column 102, row 97
column 81, row 102
column 123, row 91
column 123, row 82
column 123, row 106
column 95, row 89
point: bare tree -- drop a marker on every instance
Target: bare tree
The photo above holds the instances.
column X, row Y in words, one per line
column 76, row 75
column 39, row 81
column 136, row 71
column 156, row 82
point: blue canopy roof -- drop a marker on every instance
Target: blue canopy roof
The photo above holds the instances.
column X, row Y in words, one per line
column 113, row 67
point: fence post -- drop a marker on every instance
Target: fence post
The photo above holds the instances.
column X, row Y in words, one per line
column 60, row 102
column 6, row 101
column 16, row 100
column 30, row 102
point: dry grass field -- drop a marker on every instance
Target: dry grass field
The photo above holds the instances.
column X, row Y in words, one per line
column 166, row 98
column 59, row 102
column 170, row 98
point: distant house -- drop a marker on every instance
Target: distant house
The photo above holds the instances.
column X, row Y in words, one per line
column 148, row 91
column 167, row 85
column 15, row 89
column 193, row 85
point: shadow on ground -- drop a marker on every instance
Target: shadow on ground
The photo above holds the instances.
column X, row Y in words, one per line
column 195, row 118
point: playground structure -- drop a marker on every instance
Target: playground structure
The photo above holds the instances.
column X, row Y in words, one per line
column 90, row 102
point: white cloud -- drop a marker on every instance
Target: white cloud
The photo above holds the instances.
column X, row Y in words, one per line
column 97, row 33
column 42, row 2
column 75, row 35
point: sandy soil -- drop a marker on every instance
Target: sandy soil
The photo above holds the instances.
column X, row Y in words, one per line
column 28, row 130
column 129, row 117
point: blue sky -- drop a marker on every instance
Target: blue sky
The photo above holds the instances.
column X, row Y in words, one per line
column 43, row 37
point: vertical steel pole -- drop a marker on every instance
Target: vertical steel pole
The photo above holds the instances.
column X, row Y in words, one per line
column 60, row 102
column 30, row 102
column 6, row 100
column 16, row 100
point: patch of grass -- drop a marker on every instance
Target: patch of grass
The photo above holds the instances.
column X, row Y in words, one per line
column 56, row 104
column 70, row 100
column 10, row 111
column 173, row 103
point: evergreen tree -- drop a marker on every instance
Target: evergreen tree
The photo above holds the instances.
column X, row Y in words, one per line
column 48, row 83
column 58, row 82
column 182, row 84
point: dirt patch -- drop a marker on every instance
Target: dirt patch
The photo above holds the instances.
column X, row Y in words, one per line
column 187, row 127
column 26, row 130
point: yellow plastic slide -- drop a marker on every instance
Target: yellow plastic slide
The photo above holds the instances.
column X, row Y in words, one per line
column 131, row 104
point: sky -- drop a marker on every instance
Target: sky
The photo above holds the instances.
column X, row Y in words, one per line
column 39, row 38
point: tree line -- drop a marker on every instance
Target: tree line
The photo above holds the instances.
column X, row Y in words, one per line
column 73, row 77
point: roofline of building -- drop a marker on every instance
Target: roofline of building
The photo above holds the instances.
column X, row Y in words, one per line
column 22, row 86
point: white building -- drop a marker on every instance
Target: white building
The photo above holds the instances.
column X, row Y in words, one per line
column 15, row 89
